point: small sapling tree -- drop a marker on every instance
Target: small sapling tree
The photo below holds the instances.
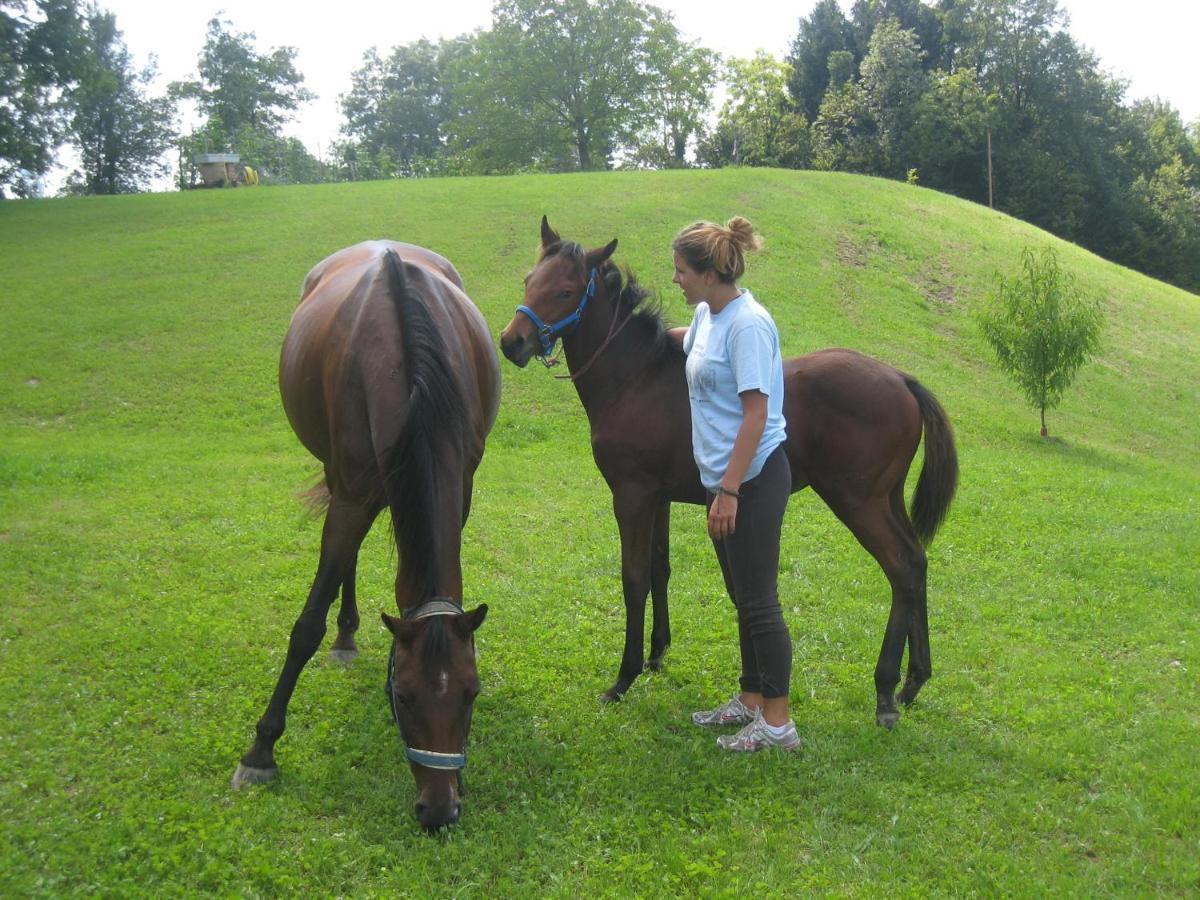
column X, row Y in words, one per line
column 1042, row 328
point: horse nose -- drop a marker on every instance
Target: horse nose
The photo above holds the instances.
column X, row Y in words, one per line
column 516, row 349
column 433, row 820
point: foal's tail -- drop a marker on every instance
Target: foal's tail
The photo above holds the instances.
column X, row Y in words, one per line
column 433, row 423
column 939, row 475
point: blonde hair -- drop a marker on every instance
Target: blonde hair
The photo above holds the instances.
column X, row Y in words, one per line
column 706, row 245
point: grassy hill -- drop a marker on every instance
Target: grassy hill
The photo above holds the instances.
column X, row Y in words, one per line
column 155, row 557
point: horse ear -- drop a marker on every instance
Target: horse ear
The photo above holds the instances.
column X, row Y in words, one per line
column 599, row 257
column 401, row 628
column 549, row 235
column 468, row 622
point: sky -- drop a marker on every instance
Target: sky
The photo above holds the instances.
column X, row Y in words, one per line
column 1149, row 43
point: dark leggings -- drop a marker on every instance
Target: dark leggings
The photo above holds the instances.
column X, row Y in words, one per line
column 749, row 561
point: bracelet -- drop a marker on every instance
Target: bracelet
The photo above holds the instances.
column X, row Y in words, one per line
column 721, row 489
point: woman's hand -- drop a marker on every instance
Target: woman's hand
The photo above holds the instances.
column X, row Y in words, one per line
column 722, row 516
column 723, row 513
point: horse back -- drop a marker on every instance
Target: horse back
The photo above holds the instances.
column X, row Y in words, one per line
column 366, row 252
column 851, row 420
column 342, row 368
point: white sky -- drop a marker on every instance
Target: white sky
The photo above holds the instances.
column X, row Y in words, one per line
column 1149, row 43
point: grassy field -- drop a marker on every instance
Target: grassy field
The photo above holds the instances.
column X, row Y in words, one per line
column 154, row 557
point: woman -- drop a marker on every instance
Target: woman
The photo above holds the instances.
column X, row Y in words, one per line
column 735, row 384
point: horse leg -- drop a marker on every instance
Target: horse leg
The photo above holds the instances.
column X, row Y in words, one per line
column 344, row 648
column 635, row 512
column 346, row 524
column 920, row 666
column 874, row 524
column 660, row 574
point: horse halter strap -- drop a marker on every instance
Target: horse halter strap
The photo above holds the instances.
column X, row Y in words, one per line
column 548, row 333
column 430, row 759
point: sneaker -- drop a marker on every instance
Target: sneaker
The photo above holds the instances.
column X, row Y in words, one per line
column 757, row 735
column 732, row 712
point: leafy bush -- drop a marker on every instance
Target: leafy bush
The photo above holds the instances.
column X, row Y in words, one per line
column 1042, row 328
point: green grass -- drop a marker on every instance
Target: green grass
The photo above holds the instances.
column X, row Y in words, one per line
column 154, row 557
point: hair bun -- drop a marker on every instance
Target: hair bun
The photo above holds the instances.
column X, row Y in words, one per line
column 706, row 245
column 743, row 234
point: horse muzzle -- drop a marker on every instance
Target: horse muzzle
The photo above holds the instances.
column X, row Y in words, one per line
column 432, row 822
column 517, row 348
column 438, row 807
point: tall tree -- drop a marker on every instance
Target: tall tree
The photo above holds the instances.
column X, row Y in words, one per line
column 947, row 141
column 120, row 132
column 892, row 83
column 1008, row 43
column 494, row 126
column 569, row 79
column 240, row 88
column 398, row 104
column 911, row 15
column 865, row 126
column 844, row 135
column 1158, row 136
column 39, row 49
column 823, row 33
column 757, row 125
column 680, row 97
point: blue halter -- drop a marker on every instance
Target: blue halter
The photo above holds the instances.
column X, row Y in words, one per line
column 548, row 334
column 431, row 759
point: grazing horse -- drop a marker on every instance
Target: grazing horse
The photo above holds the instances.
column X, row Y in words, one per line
column 853, row 427
column 390, row 378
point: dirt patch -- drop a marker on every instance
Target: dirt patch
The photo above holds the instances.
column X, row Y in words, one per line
column 857, row 251
column 935, row 282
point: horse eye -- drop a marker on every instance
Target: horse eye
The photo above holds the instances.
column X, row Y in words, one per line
column 564, row 295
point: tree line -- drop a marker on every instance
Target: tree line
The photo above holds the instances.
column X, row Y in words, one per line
column 991, row 100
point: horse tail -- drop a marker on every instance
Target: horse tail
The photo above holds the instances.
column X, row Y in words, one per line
column 939, row 474
column 433, row 422
column 316, row 497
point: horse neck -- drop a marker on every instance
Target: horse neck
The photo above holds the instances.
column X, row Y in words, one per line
column 603, row 370
column 438, row 572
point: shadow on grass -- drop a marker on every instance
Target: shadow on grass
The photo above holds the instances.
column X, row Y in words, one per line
column 572, row 770
column 1070, row 451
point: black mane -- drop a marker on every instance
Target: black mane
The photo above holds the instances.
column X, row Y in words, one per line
column 645, row 310
column 436, row 420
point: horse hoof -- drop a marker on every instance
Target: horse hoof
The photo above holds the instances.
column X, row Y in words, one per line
column 887, row 719
column 908, row 694
column 654, row 665
column 346, row 656
column 250, row 775
column 612, row 695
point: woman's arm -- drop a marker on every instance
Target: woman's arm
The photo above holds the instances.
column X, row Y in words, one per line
column 678, row 334
column 723, row 513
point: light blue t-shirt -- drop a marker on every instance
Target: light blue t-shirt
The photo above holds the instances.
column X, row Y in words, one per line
column 734, row 351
